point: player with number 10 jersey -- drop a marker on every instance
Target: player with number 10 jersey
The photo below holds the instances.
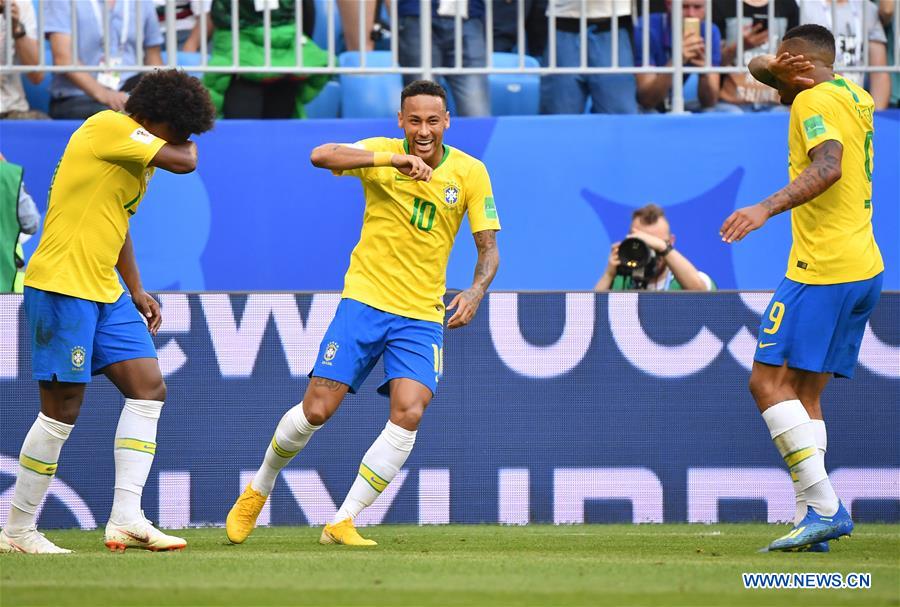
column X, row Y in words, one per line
column 417, row 192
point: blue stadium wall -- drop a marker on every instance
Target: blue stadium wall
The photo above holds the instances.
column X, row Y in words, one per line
column 258, row 216
column 559, row 408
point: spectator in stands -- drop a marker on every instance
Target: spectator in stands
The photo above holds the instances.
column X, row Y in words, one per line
column 470, row 93
column 672, row 271
column 264, row 94
column 79, row 95
column 13, row 103
column 187, row 22
column 654, row 90
column 568, row 93
column 506, row 26
column 19, row 219
column 349, row 10
column 741, row 92
column 886, row 9
column 848, row 35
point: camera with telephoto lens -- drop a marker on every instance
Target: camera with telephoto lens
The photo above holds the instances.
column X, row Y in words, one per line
column 637, row 261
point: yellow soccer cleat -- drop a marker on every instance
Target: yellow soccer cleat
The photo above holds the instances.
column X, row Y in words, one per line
column 344, row 533
column 242, row 517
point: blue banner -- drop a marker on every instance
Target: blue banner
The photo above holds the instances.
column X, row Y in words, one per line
column 257, row 216
column 563, row 408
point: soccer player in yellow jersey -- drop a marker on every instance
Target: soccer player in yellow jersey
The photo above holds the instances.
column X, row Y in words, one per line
column 81, row 322
column 417, row 191
column 813, row 327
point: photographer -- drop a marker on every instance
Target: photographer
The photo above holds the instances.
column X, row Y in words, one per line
column 651, row 262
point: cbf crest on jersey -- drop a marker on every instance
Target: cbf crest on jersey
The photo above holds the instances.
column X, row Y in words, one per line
column 78, row 357
column 451, row 194
column 330, row 351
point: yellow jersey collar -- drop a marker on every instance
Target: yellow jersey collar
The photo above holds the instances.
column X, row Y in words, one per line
column 443, row 145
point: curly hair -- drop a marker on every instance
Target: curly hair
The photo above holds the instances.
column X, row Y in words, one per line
column 171, row 96
column 423, row 87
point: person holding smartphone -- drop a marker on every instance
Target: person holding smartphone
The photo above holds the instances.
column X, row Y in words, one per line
column 740, row 91
column 654, row 90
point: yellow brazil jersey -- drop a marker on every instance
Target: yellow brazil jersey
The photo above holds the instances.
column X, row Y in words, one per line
column 400, row 263
column 832, row 234
column 97, row 187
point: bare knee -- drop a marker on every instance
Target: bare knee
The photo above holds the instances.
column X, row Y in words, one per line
column 316, row 410
column 770, row 387
column 322, row 399
column 61, row 402
column 408, row 414
column 152, row 389
column 761, row 388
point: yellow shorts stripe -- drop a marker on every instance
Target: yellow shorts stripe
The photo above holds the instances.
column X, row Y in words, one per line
column 377, row 483
column 800, row 455
column 36, row 465
column 136, row 445
column 281, row 451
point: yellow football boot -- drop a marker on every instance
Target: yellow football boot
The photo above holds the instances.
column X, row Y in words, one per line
column 344, row 533
column 242, row 517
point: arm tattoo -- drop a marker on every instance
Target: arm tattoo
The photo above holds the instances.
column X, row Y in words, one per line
column 330, row 384
column 488, row 258
column 815, row 179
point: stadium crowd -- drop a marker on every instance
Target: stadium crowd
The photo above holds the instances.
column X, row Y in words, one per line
column 77, row 95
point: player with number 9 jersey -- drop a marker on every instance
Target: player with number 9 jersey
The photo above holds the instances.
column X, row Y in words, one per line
column 814, row 325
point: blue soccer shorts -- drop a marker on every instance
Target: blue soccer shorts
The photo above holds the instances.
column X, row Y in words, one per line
column 360, row 334
column 817, row 328
column 73, row 339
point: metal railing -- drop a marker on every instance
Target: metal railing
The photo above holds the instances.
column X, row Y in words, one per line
column 634, row 10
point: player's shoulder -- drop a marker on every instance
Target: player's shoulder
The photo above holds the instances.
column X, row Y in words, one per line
column 860, row 95
column 382, row 144
column 110, row 118
column 462, row 162
column 108, row 122
column 819, row 94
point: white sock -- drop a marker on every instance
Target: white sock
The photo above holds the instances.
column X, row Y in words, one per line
column 793, row 434
column 822, row 443
column 37, row 466
column 379, row 466
column 291, row 435
column 134, row 450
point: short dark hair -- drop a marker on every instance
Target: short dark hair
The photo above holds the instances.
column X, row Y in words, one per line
column 423, row 87
column 818, row 36
column 172, row 97
column 649, row 214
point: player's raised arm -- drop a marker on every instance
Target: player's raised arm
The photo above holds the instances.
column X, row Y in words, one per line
column 340, row 157
column 466, row 302
column 785, row 69
column 823, row 172
column 176, row 158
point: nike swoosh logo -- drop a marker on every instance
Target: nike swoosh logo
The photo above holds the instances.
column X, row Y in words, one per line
column 766, row 345
column 402, row 178
column 141, row 538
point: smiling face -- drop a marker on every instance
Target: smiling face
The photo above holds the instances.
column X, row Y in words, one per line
column 423, row 119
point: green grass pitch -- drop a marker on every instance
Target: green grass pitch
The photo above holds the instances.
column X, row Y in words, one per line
column 454, row 565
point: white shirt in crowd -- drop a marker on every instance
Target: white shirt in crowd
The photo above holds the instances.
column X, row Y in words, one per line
column 595, row 9
column 848, row 31
column 12, row 95
column 189, row 20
